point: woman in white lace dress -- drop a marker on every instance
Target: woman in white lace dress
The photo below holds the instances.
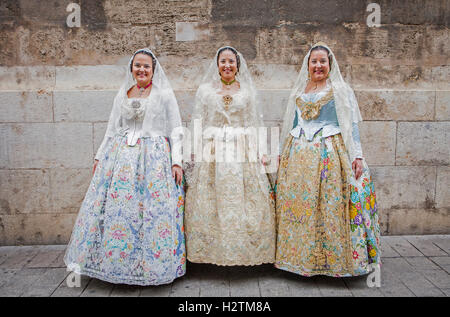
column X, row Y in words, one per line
column 229, row 202
column 130, row 226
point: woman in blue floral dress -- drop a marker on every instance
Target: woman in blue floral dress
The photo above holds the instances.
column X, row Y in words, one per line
column 130, row 226
column 327, row 217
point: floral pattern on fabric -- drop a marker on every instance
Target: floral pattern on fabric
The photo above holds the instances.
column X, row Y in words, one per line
column 327, row 221
column 130, row 226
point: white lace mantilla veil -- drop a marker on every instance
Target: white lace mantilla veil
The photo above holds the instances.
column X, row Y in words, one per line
column 212, row 77
column 347, row 109
column 161, row 94
column 210, row 82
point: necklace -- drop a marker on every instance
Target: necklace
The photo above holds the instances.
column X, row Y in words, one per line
column 227, row 83
column 141, row 89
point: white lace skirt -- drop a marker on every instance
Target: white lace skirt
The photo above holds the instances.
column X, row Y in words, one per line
column 230, row 215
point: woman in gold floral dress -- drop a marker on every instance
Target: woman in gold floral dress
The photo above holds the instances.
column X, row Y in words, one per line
column 230, row 211
column 326, row 207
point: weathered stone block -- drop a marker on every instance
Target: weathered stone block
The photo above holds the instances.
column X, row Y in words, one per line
column 99, row 134
column 191, row 31
column 443, row 187
column 273, row 76
column 89, row 77
column 383, row 218
column 39, row 13
column 373, row 76
column 8, row 43
column 396, row 105
column 272, row 103
column 399, row 187
column 94, row 45
column 27, row 77
column 423, row 143
column 160, row 11
column 443, row 105
column 41, row 46
column 378, row 141
column 419, row 221
column 185, row 73
column 36, row 229
column 441, row 74
column 282, row 45
column 43, row 145
column 68, row 188
column 24, row 191
column 26, row 106
column 186, row 102
column 83, row 106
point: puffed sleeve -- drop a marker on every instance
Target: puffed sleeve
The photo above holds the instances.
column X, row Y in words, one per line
column 114, row 117
column 174, row 126
column 356, row 140
column 356, row 117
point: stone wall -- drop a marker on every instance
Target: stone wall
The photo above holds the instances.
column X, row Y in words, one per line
column 57, row 85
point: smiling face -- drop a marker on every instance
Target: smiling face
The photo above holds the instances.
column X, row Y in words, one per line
column 318, row 65
column 227, row 64
column 142, row 69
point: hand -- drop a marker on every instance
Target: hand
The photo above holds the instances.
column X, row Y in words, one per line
column 177, row 174
column 95, row 167
column 357, row 167
column 265, row 160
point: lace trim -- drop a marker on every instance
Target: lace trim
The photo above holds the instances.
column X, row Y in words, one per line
column 231, row 263
column 311, row 110
column 133, row 109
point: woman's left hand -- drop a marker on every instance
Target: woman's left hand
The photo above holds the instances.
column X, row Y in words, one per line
column 357, row 167
column 177, row 173
column 265, row 160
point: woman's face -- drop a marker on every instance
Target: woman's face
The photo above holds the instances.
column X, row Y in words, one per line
column 142, row 69
column 319, row 65
column 227, row 65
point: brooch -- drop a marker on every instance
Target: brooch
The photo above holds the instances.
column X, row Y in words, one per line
column 227, row 99
column 311, row 110
column 136, row 104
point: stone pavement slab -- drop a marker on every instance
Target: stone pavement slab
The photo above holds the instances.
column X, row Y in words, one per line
column 402, row 246
column 98, row 288
column 426, row 245
column 412, row 266
column 244, row 283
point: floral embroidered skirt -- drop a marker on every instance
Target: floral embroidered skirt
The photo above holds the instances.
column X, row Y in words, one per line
column 230, row 215
column 130, row 226
column 327, row 220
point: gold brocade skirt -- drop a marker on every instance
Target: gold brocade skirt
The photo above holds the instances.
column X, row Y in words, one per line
column 327, row 221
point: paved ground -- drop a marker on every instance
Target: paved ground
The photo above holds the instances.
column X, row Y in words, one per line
column 412, row 266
